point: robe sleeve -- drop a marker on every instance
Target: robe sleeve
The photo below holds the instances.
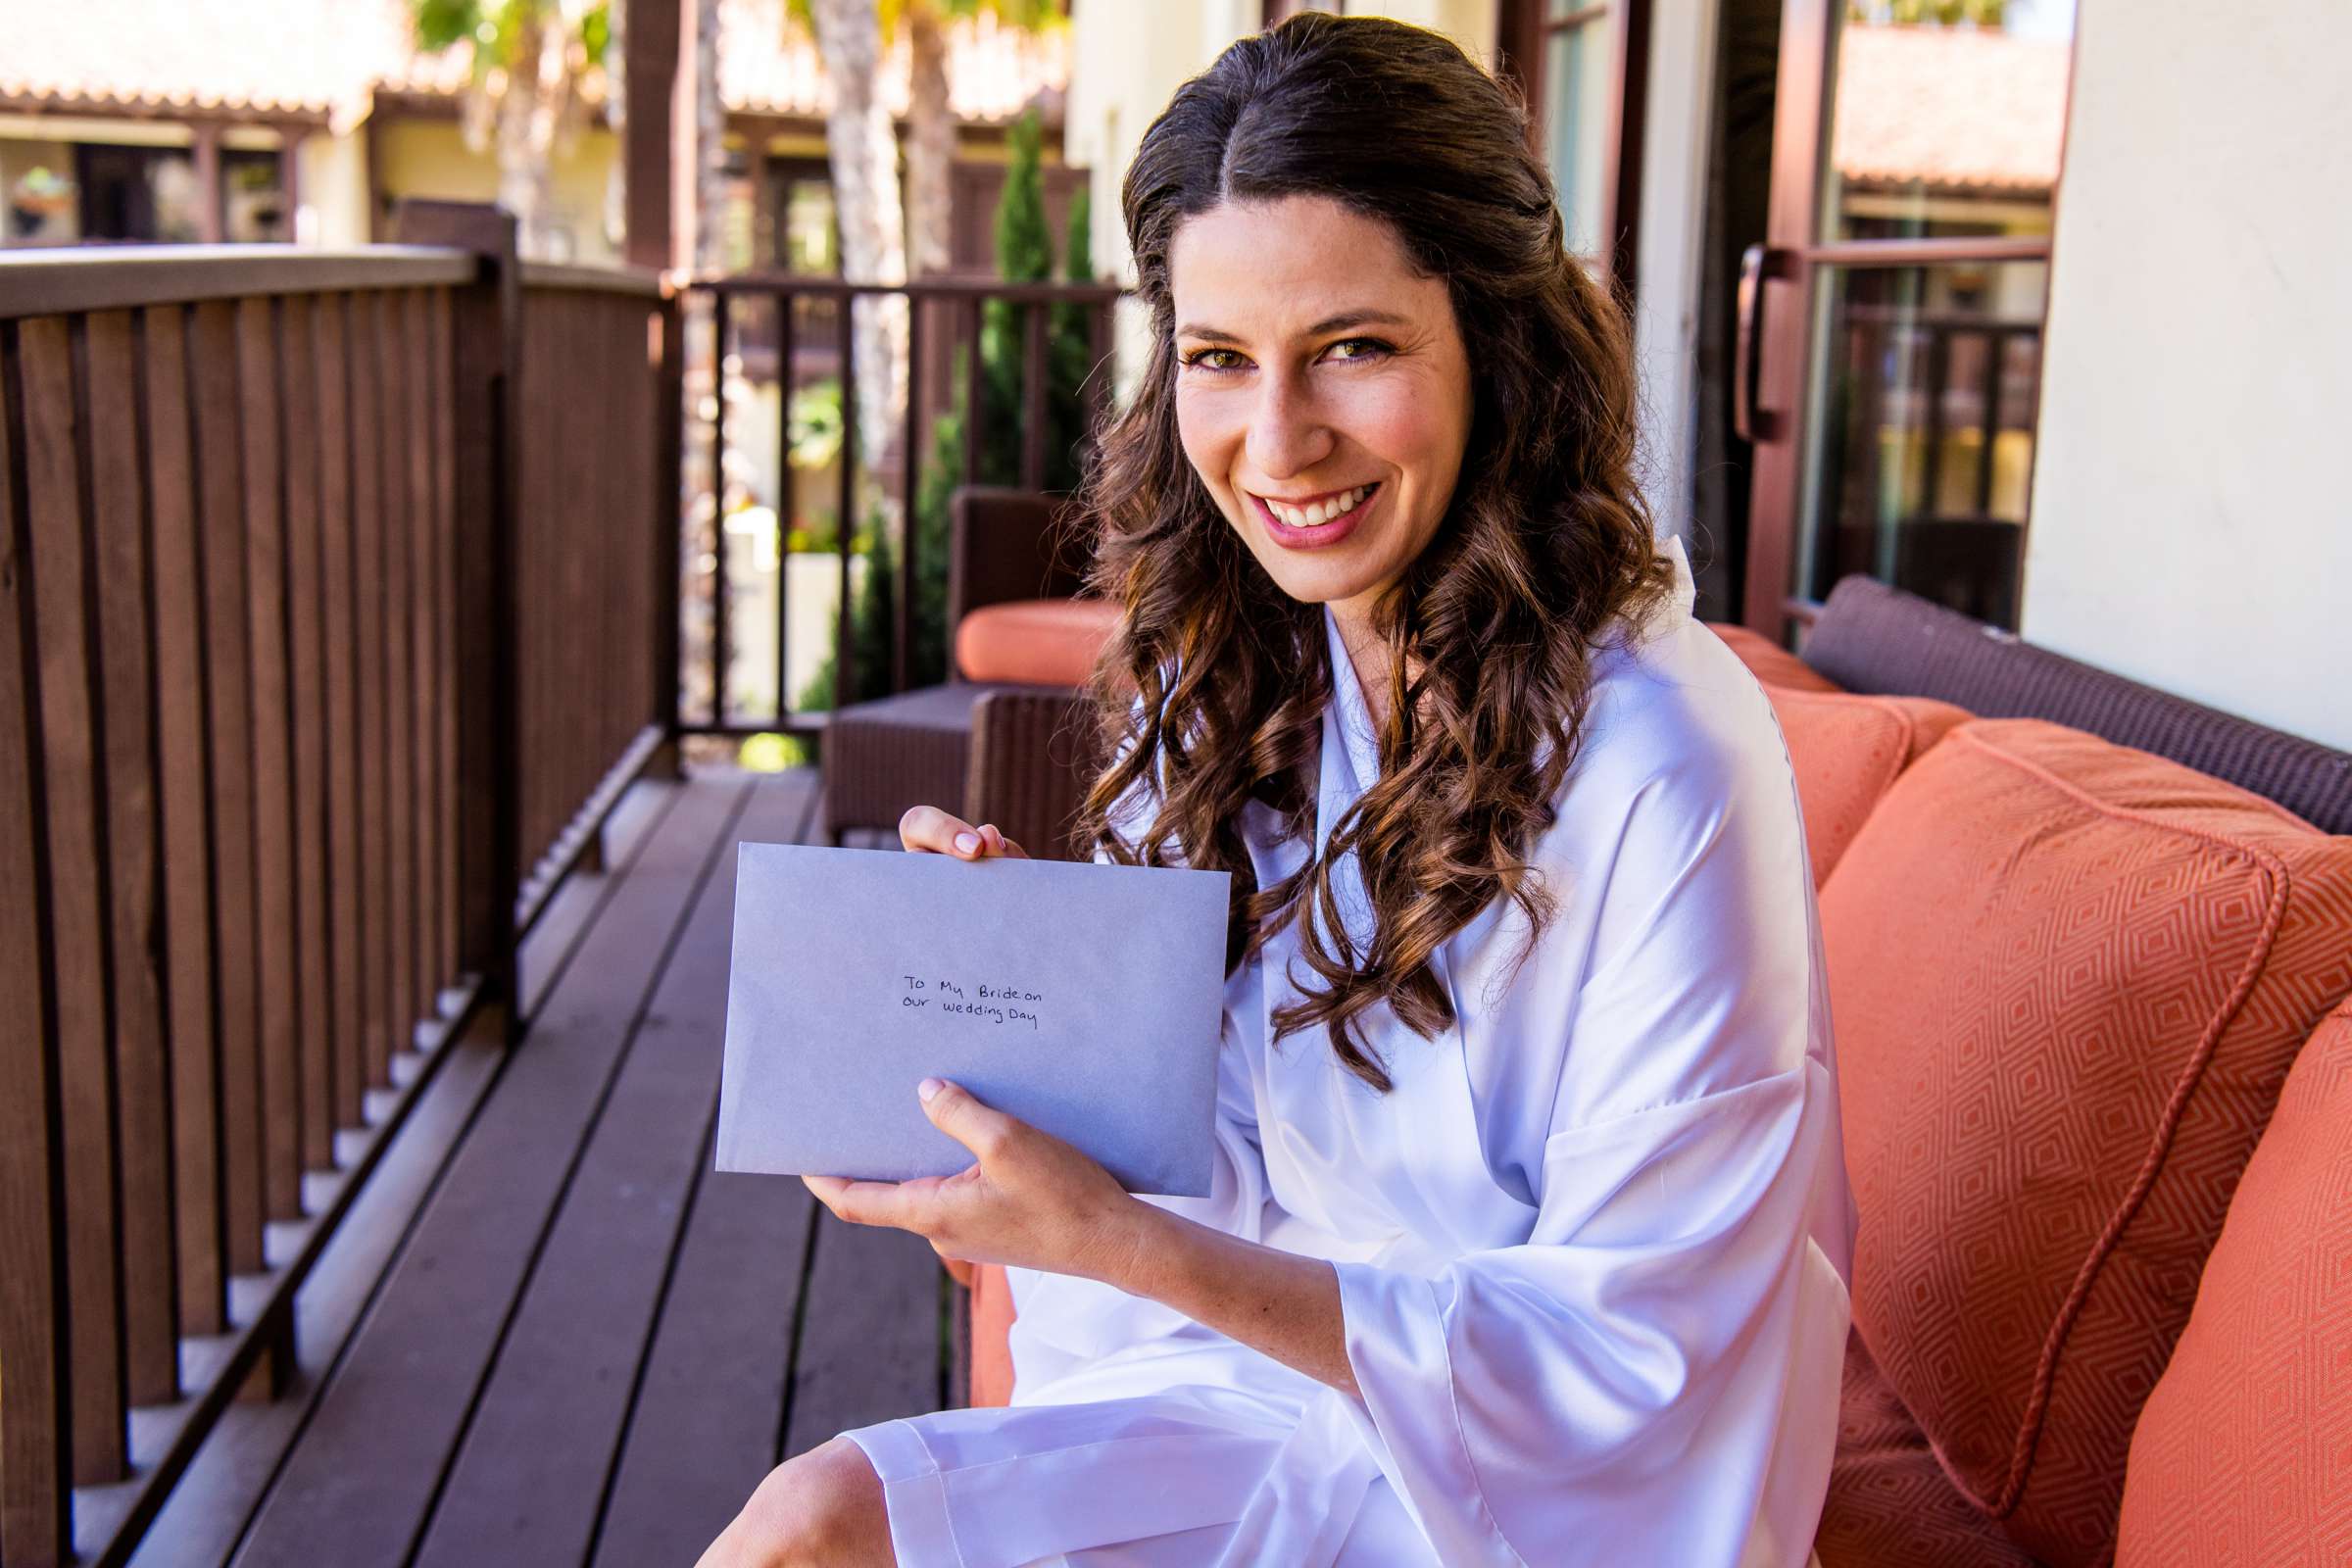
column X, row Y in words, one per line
column 1614, row 1388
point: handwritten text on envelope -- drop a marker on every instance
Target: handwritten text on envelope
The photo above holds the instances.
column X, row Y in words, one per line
column 1084, row 999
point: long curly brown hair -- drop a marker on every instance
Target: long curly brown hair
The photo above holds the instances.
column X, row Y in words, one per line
column 1211, row 693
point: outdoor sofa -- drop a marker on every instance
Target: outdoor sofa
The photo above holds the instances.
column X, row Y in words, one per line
column 2091, row 961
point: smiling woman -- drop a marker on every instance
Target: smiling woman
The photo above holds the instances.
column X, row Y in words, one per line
column 1331, row 450
column 1529, row 1235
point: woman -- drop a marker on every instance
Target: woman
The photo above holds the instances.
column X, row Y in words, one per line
column 1530, row 1230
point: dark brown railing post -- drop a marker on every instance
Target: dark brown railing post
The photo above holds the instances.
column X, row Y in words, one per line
column 486, row 373
column 668, row 523
column 35, row 1520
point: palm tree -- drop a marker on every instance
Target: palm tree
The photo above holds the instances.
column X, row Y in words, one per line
column 531, row 62
column 931, row 122
column 864, row 150
column 886, row 236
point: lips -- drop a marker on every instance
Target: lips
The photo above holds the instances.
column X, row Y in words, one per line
column 1315, row 536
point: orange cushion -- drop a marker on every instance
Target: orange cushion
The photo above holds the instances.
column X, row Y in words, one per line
column 1770, row 663
column 992, row 1337
column 1035, row 642
column 1847, row 751
column 2068, row 979
column 1889, row 1502
column 2243, row 1456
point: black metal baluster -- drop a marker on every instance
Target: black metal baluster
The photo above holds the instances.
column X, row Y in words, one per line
column 719, row 587
column 787, row 503
column 844, row 671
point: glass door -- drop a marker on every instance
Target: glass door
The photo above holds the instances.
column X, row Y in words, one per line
column 1889, row 329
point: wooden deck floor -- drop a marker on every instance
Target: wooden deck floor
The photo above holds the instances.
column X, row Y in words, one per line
column 550, row 1333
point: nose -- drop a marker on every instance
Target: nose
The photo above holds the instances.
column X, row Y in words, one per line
column 1287, row 431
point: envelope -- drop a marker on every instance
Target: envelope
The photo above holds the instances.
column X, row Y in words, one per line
column 1084, row 999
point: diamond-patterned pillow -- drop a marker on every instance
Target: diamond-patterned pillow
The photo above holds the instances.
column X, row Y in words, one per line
column 2068, row 980
column 1847, row 751
column 2243, row 1456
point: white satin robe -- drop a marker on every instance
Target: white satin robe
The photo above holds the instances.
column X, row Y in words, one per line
column 1591, row 1250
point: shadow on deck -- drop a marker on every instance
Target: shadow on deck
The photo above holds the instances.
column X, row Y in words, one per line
column 549, row 1333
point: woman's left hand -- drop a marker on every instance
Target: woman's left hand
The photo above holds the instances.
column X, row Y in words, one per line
column 1030, row 1201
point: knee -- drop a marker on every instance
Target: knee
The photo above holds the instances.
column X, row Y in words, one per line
column 824, row 1506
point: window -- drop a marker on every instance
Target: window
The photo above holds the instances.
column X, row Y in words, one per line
column 1581, row 64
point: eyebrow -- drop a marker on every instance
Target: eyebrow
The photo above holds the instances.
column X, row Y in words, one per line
column 1328, row 324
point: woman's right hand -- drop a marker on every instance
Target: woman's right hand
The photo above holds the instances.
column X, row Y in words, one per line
column 928, row 830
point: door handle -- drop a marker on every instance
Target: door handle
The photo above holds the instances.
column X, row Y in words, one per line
column 1758, row 264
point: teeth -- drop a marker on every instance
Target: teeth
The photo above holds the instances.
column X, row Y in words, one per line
column 1322, row 511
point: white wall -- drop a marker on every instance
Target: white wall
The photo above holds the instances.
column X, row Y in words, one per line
column 2192, row 495
column 331, row 188
column 1674, row 192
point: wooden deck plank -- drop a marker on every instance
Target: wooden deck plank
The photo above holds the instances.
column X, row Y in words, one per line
column 574, row 907
column 199, row 1526
column 357, row 1490
column 572, row 1358
column 870, row 1343
column 710, row 1405
column 207, row 1514
column 704, row 1432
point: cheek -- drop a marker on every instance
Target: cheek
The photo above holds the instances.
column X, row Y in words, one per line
column 1405, row 423
column 1211, row 440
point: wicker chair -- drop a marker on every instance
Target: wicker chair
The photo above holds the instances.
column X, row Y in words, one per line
column 1018, row 755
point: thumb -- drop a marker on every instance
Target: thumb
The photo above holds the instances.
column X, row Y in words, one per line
column 955, row 1112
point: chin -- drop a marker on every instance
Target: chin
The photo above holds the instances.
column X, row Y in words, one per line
column 1316, row 584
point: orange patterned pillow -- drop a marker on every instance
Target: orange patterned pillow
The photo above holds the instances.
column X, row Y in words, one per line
column 1847, row 751
column 2067, row 981
column 2243, row 1456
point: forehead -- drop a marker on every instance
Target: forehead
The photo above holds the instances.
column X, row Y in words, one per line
column 1274, row 268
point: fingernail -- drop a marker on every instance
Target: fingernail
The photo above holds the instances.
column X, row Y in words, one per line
column 927, row 1088
column 968, row 843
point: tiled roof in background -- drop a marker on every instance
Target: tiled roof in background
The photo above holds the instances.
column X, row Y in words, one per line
column 993, row 71
column 1949, row 108
column 298, row 57
column 326, row 57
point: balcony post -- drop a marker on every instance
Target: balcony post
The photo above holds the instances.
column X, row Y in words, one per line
column 35, row 1417
column 668, row 515
column 485, row 322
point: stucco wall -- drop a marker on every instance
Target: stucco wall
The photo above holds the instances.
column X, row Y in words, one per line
column 429, row 158
column 2192, row 507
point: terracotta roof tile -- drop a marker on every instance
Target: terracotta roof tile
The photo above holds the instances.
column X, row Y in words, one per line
column 303, row 57
column 1949, row 108
column 325, row 57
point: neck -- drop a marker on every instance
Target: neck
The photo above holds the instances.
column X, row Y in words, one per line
column 1367, row 651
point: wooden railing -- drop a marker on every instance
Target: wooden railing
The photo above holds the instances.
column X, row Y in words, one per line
column 596, row 555
column 337, row 599
column 802, row 316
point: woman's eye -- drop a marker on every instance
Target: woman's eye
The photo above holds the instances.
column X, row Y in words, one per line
column 1363, row 348
column 1208, row 359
